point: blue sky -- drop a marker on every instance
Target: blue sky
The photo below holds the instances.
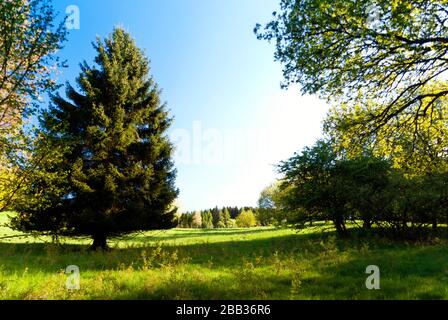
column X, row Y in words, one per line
column 233, row 123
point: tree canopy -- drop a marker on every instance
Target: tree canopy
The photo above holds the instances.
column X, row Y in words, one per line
column 29, row 39
column 418, row 146
column 363, row 50
column 325, row 185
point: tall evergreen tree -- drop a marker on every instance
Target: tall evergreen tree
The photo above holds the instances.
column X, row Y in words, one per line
column 117, row 157
column 207, row 220
column 216, row 214
column 226, row 217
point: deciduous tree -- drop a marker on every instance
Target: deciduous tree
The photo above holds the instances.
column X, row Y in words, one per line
column 246, row 219
column 363, row 50
column 29, row 39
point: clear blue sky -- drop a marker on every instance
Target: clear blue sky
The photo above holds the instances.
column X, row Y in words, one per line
column 233, row 123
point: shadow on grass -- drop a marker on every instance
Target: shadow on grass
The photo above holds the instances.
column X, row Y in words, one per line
column 406, row 272
column 49, row 258
column 188, row 288
column 336, row 268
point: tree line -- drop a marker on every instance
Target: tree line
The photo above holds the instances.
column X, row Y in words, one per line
column 227, row 217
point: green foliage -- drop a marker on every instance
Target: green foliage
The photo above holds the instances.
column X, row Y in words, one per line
column 307, row 184
column 267, row 206
column 383, row 64
column 197, row 220
column 7, row 178
column 185, row 221
column 225, row 218
column 221, row 225
column 45, row 184
column 265, row 217
column 268, row 196
column 223, row 265
column 213, row 218
column 246, row 220
column 115, row 158
column 324, row 186
column 363, row 50
column 363, row 184
column 29, row 40
column 272, row 206
column 231, row 224
column 207, row 220
column 416, row 146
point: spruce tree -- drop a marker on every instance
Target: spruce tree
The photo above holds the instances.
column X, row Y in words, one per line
column 207, row 220
column 221, row 221
column 121, row 177
column 226, row 218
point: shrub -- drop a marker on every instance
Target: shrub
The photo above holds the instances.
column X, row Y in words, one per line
column 246, row 220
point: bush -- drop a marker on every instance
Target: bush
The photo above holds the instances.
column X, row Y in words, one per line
column 220, row 225
column 266, row 217
column 246, row 220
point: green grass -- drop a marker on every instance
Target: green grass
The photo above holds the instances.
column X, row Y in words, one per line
column 259, row 263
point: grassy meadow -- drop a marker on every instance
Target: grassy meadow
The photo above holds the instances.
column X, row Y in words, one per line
column 258, row 263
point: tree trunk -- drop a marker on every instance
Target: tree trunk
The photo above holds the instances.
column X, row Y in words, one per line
column 339, row 229
column 340, row 226
column 434, row 225
column 54, row 238
column 99, row 242
column 367, row 224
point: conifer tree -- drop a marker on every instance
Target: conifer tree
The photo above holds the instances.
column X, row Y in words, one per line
column 117, row 158
column 221, row 221
column 207, row 220
column 226, row 217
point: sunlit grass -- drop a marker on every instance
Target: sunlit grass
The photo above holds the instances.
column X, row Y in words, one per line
column 259, row 263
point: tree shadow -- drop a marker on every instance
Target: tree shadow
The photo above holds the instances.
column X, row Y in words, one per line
column 48, row 258
column 412, row 272
column 267, row 287
column 339, row 265
column 51, row 258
